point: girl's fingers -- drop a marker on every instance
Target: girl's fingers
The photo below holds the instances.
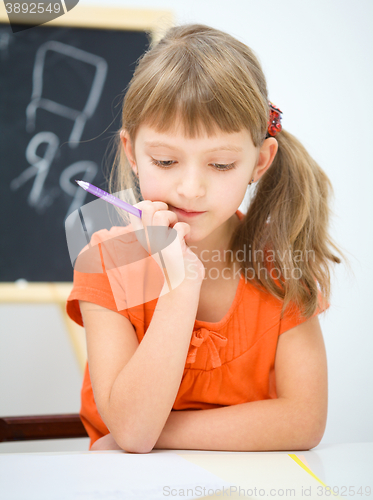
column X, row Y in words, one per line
column 182, row 229
column 155, row 214
column 164, row 218
column 148, row 209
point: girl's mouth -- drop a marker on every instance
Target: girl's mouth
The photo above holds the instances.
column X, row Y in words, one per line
column 182, row 212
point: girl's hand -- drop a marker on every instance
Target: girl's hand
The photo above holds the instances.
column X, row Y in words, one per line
column 156, row 213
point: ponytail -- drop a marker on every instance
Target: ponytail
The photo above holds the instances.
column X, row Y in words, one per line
column 287, row 223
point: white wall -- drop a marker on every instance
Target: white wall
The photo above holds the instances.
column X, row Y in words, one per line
column 317, row 57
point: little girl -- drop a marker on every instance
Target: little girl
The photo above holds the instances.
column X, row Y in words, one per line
column 239, row 339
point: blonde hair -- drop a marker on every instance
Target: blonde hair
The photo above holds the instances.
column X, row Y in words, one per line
column 212, row 80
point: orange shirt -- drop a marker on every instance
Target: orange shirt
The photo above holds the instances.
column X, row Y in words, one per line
column 228, row 363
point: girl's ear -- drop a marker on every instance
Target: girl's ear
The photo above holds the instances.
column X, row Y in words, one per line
column 266, row 156
column 126, row 141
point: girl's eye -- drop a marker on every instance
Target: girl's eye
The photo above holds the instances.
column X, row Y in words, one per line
column 224, row 167
column 162, row 164
column 168, row 163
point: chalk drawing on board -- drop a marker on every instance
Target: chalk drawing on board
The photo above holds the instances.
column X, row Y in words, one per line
column 79, row 117
column 39, row 166
column 5, row 40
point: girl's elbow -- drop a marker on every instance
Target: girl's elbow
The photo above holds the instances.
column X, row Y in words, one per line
column 136, row 444
column 312, row 428
column 136, row 447
column 315, row 440
column 319, row 430
column 135, row 436
column 312, row 438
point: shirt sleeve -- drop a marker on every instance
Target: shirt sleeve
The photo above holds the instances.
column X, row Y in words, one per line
column 91, row 286
column 293, row 317
column 114, row 271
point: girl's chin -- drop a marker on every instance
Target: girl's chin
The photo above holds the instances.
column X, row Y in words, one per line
column 194, row 236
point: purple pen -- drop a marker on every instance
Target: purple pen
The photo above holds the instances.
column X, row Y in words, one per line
column 110, row 198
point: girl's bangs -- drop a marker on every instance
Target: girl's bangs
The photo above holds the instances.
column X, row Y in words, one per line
column 199, row 109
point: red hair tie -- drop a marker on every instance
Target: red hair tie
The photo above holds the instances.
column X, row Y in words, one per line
column 274, row 122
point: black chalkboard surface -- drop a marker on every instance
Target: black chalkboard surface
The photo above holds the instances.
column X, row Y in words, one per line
column 61, row 90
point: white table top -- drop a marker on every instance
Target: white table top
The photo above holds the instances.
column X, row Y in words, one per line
column 114, row 475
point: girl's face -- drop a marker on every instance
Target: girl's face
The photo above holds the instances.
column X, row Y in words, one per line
column 205, row 174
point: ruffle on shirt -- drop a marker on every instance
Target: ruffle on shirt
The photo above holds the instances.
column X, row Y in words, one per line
column 213, row 341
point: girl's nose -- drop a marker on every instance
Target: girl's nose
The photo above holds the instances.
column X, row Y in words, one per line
column 191, row 183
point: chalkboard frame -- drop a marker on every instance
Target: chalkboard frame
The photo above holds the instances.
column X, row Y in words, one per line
column 155, row 21
column 152, row 21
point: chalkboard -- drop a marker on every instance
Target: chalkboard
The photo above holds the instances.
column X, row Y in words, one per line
column 61, row 89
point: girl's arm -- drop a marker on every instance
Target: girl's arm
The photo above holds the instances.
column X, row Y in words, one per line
column 135, row 385
column 294, row 421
